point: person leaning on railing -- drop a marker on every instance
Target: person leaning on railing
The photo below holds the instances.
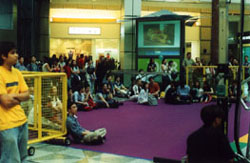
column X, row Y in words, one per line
column 188, row 62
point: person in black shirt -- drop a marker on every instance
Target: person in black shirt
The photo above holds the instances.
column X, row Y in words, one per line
column 209, row 144
column 151, row 65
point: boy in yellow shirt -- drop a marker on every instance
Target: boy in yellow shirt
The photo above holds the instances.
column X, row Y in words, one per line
column 13, row 121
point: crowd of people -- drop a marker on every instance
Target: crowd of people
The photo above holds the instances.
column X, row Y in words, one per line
column 91, row 85
column 14, row 90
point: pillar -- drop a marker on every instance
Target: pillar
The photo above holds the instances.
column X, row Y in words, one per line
column 219, row 34
column 33, row 28
column 44, row 41
column 131, row 10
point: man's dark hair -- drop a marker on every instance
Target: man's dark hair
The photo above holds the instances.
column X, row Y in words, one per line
column 210, row 113
column 141, row 70
column 150, row 78
column 70, row 104
column 5, row 48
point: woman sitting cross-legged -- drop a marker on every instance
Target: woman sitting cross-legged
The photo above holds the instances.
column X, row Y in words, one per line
column 80, row 134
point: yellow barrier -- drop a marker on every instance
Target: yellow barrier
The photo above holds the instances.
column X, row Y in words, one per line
column 202, row 75
column 47, row 108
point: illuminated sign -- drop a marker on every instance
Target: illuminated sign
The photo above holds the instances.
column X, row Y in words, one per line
column 84, row 31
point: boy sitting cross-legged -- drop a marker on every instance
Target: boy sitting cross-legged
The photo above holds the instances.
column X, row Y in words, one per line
column 80, row 134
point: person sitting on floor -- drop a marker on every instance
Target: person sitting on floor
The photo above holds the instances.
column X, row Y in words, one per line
column 105, row 98
column 110, row 84
column 136, row 90
column 79, row 99
column 145, row 97
column 80, row 134
column 89, row 98
column 208, row 91
column 154, row 87
column 171, row 94
column 183, row 91
column 54, row 106
column 209, row 144
column 197, row 92
column 120, row 89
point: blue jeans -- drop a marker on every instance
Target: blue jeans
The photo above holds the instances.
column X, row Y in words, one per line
column 13, row 144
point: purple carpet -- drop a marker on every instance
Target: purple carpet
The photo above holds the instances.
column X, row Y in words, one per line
column 148, row 131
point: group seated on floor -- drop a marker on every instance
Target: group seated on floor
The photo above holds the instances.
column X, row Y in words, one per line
column 182, row 94
column 110, row 92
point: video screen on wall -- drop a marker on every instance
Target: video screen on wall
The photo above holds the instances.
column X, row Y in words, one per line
column 159, row 38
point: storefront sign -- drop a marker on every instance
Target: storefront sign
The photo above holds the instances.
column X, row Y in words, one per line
column 84, row 31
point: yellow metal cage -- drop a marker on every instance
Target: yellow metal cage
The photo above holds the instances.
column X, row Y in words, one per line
column 46, row 109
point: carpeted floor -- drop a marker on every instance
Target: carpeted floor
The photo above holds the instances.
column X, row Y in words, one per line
column 148, row 131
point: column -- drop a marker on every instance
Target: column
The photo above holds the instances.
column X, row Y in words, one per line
column 131, row 10
column 223, row 32
column 44, row 38
column 219, row 34
column 33, row 28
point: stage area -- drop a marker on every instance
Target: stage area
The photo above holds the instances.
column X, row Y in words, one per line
column 147, row 131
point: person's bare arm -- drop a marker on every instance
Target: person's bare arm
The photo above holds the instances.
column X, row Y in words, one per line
column 8, row 101
column 24, row 96
column 102, row 99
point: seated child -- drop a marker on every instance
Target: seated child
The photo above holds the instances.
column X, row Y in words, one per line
column 79, row 133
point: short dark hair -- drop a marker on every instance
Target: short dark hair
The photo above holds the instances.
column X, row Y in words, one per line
column 150, row 78
column 5, row 48
column 210, row 113
column 70, row 104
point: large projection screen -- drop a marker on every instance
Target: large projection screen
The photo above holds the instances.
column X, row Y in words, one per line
column 156, row 38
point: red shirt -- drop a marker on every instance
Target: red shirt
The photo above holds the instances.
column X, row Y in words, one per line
column 67, row 70
column 153, row 87
column 80, row 62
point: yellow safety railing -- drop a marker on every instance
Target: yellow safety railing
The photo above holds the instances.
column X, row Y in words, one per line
column 46, row 110
column 202, row 75
column 234, row 70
